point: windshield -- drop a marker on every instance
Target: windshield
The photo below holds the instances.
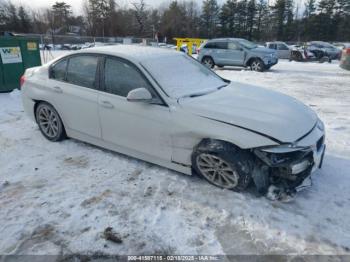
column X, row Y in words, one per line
column 181, row 76
column 247, row 44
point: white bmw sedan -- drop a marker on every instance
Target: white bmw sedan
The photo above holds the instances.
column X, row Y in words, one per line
column 166, row 108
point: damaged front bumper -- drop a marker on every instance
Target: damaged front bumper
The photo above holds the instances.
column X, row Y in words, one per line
column 290, row 166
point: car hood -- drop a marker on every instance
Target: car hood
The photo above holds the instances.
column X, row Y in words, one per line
column 263, row 50
column 257, row 109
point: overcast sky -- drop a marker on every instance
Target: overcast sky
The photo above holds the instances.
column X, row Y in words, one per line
column 77, row 4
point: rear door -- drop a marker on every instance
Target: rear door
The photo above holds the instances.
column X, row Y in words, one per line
column 220, row 52
column 228, row 53
column 74, row 81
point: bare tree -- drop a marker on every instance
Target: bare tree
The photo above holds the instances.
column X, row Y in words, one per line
column 140, row 15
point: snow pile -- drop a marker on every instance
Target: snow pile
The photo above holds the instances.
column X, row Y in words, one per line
column 61, row 197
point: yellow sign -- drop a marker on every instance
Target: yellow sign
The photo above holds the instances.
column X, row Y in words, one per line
column 32, row 46
column 190, row 42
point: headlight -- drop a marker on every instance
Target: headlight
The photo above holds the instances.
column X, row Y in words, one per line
column 320, row 125
column 277, row 158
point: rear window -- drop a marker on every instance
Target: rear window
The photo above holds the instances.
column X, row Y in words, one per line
column 272, row 46
column 282, row 47
column 210, row 45
column 216, row 45
column 82, row 70
column 58, row 71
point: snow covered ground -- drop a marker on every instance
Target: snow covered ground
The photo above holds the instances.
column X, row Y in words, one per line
column 60, row 197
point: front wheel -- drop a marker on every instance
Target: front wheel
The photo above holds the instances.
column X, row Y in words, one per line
column 50, row 123
column 222, row 165
column 257, row 65
column 208, row 62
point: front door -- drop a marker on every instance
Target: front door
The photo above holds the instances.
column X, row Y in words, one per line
column 235, row 54
column 283, row 51
column 141, row 127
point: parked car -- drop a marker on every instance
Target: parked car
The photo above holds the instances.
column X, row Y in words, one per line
column 166, row 108
column 345, row 59
column 236, row 52
column 301, row 53
column 321, row 49
column 283, row 51
column 341, row 46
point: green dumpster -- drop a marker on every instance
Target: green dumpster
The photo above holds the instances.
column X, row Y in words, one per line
column 16, row 55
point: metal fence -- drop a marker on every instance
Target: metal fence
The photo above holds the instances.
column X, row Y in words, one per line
column 49, row 42
column 75, row 41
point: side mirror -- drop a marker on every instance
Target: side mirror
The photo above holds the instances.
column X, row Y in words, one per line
column 139, row 95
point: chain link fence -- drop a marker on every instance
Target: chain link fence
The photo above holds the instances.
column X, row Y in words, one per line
column 60, row 43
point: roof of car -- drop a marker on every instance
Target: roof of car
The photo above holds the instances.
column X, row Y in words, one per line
column 226, row 39
column 275, row 42
column 135, row 52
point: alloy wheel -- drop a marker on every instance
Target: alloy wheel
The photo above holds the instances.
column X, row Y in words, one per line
column 208, row 63
column 217, row 171
column 48, row 121
column 256, row 66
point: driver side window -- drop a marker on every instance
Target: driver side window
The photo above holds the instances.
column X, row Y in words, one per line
column 282, row 47
column 233, row 46
column 121, row 77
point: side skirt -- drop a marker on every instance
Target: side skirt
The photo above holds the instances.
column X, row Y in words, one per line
column 128, row 152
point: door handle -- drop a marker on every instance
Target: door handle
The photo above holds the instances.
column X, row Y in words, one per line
column 106, row 104
column 57, row 89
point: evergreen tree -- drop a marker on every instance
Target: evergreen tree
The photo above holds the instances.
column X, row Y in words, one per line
column 279, row 16
column 262, row 20
column 173, row 21
column 228, row 18
column 210, row 18
column 24, row 20
column 12, row 18
column 251, row 15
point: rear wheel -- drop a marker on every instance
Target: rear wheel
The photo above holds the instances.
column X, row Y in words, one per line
column 208, row 62
column 50, row 123
column 297, row 56
column 257, row 65
column 222, row 164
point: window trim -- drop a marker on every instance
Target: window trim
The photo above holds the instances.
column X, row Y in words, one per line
column 65, row 70
column 97, row 85
column 215, row 44
column 103, row 84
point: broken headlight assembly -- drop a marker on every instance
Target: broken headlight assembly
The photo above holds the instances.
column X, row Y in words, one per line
column 281, row 155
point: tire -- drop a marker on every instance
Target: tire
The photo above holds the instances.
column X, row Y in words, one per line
column 208, row 62
column 257, row 65
column 297, row 56
column 49, row 122
column 324, row 59
column 222, row 164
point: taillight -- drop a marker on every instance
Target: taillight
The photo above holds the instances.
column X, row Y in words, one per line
column 22, row 80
